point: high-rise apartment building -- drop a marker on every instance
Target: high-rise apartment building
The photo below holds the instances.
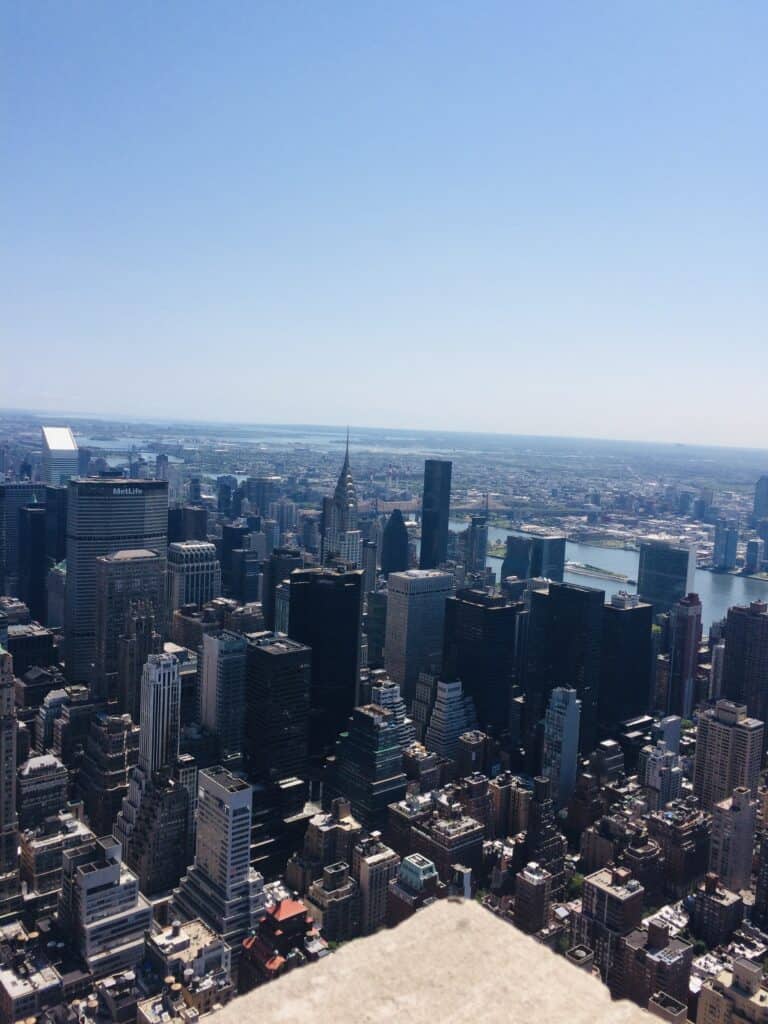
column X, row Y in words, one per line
column 123, row 578
column 666, row 572
column 60, row 455
column 733, row 837
column 435, row 513
column 533, row 556
column 737, row 993
column 105, row 516
column 726, row 544
column 326, row 615
column 729, row 752
column 483, row 647
column 561, row 742
column 374, row 865
column 416, row 601
column 194, row 574
column 533, row 898
column 223, row 688
column 745, row 663
column 221, row 887
column 278, row 677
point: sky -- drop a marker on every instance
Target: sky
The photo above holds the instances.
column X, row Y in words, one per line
column 540, row 218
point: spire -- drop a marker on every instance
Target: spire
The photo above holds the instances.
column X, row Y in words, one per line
column 345, row 495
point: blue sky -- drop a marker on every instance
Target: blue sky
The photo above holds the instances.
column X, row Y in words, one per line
column 528, row 218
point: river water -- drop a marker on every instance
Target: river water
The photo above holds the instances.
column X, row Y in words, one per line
column 718, row 591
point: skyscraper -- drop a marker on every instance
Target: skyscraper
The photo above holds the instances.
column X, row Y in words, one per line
column 452, row 715
column 33, row 564
column 729, row 752
column 532, row 555
column 222, row 689
column 733, row 836
column 483, row 645
column 194, row 574
column 10, row 885
column 277, row 707
column 626, row 661
column 137, row 640
column 326, row 615
column 745, row 664
column 564, row 648
column 13, row 497
column 726, row 544
column 476, row 544
column 666, row 572
column 105, row 516
column 160, row 712
column 278, row 567
column 435, row 512
column 561, row 743
column 221, row 887
column 415, row 622
column 122, row 578
column 760, row 507
column 55, row 524
column 394, row 544
column 60, row 455
column 684, row 641
column 340, row 535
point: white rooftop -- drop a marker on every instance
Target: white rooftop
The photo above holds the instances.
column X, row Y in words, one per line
column 59, row 439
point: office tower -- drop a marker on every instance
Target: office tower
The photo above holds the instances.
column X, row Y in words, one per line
column 733, row 836
column 111, row 751
column 60, row 455
column 33, row 563
column 755, row 556
column 565, row 645
column 415, row 623
column 561, row 743
column 161, row 466
column 123, row 578
column 435, row 512
column 261, row 491
column 369, row 557
column 42, row 789
column 533, row 556
column 278, row 674
column 330, row 837
column 448, row 837
column 42, row 854
column 326, row 614
column 10, row 888
column 195, row 490
column 278, row 567
column 334, row 903
column 233, row 536
column 660, row 774
column 340, row 536
column 543, row 842
column 483, row 646
column 725, row 545
column 104, row 516
column 417, row 884
column 509, row 805
column 394, row 544
column 760, row 909
column 684, row 641
column 194, row 523
column 247, row 575
column 665, row 573
column 476, row 544
column 101, row 908
column 225, row 488
column 222, row 689
column 55, row 524
column 368, row 768
column 136, row 642
column 453, row 714
column 221, row 887
column 160, row 713
column 745, row 664
column 385, row 693
column 374, row 865
column 729, row 752
column 194, row 574
column 626, row 661
column 533, row 898
column 13, row 497
column 375, row 626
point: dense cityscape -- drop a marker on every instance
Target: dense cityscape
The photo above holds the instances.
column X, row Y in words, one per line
column 265, row 691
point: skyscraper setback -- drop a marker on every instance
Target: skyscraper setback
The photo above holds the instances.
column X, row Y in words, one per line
column 105, row 516
column 435, row 512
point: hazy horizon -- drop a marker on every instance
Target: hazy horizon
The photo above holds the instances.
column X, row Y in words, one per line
column 496, row 218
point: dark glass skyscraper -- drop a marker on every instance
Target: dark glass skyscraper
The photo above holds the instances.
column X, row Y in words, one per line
column 394, row 544
column 435, row 511
column 482, row 645
column 627, row 661
column 745, row 668
column 33, row 565
column 55, row 524
column 532, row 555
column 326, row 614
column 665, row 573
